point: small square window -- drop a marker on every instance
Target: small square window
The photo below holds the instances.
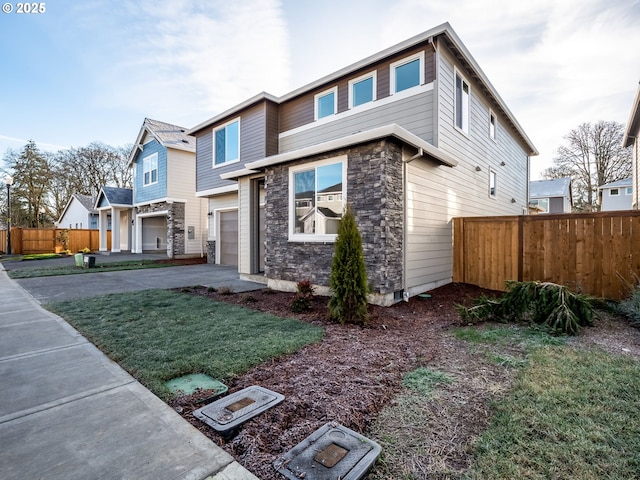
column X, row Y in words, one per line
column 326, row 103
column 362, row 90
column 614, row 192
column 407, row 73
column 628, row 191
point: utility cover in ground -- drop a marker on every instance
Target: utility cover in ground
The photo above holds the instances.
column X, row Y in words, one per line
column 331, row 452
column 233, row 410
column 196, row 381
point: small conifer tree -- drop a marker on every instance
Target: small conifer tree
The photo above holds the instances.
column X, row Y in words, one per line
column 348, row 280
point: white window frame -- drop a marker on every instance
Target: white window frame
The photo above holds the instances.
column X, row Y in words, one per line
column 313, row 237
column 536, row 202
column 146, row 161
column 399, row 63
column 466, row 106
column 324, row 93
column 213, row 132
column 611, row 190
column 628, row 191
column 493, row 126
column 361, row 78
column 493, row 179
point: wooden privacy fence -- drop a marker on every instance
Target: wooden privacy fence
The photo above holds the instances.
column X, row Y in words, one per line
column 44, row 240
column 595, row 253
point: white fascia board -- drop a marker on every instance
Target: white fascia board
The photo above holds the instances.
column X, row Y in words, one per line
column 232, row 111
column 632, row 123
column 243, row 172
column 392, row 130
column 218, row 191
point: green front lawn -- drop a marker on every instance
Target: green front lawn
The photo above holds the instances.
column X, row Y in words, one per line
column 158, row 335
column 31, row 272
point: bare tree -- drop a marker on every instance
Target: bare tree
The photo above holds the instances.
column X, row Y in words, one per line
column 592, row 156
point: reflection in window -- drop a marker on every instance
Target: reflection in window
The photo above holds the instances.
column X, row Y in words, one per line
column 407, row 75
column 541, row 204
column 150, row 169
column 362, row 91
column 227, row 143
column 325, row 104
column 318, row 200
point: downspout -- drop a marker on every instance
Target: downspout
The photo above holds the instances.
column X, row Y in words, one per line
column 405, row 236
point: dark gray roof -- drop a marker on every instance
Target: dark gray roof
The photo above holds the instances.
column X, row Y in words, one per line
column 87, row 201
column 327, row 212
column 118, row 196
column 625, row 182
column 556, row 187
column 171, row 136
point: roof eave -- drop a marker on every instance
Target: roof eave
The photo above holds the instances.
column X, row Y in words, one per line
column 633, row 124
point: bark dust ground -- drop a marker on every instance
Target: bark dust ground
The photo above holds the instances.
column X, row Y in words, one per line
column 354, row 377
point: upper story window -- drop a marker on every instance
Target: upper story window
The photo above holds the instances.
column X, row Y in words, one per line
column 150, row 169
column 614, row 192
column 316, row 199
column 493, row 183
column 362, row 90
column 628, row 191
column 407, row 73
column 462, row 93
column 226, row 143
column 492, row 125
column 326, row 103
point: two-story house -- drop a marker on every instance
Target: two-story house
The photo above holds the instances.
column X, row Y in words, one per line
column 410, row 137
column 632, row 139
column 163, row 214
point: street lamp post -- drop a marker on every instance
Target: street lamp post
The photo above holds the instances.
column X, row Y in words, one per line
column 9, row 181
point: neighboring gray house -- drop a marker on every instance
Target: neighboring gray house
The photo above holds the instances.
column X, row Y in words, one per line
column 410, row 137
column 616, row 195
column 551, row 196
column 115, row 203
column 632, row 139
column 79, row 213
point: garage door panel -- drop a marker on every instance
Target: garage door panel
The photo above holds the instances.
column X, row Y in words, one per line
column 229, row 238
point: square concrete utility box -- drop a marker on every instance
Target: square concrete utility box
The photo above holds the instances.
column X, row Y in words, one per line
column 330, row 453
column 226, row 414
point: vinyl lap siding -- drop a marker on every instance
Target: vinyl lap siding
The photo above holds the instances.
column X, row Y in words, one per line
column 147, row 193
column 478, row 150
column 254, row 124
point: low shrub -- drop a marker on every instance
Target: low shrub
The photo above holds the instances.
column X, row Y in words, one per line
column 630, row 307
column 550, row 305
column 303, row 297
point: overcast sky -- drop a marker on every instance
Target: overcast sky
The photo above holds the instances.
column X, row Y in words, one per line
column 92, row 70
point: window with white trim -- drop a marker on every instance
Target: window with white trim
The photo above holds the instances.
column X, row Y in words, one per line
column 150, row 169
column 462, row 94
column 316, row 193
column 492, row 125
column 628, row 190
column 407, row 73
column 226, row 143
column 614, row 192
column 362, row 90
column 326, row 103
column 542, row 204
column 493, row 183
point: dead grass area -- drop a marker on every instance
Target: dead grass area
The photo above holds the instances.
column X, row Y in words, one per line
column 354, row 377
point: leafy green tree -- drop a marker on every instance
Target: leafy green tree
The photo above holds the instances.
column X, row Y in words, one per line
column 348, row 279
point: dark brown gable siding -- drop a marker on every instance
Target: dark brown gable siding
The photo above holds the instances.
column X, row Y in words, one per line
column 272, row 121
column 300, row 110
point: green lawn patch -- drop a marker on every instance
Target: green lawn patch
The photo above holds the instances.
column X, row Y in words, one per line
column 31, row 272
column 572, row 414
column 158, row 335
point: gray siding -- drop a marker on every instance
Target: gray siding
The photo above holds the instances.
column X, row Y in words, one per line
column 300, row 111
column 414, row 113
column 556, row 205
column 255, row 122
column 478, row 150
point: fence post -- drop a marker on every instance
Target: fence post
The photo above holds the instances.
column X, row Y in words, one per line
column 458, row 250
column 520, row 247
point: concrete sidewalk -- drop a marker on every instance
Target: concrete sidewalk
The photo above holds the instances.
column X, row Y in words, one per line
column 68, row 412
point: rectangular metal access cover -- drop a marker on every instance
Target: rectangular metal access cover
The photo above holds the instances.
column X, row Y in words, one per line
column 233, row 410
column 331, row 452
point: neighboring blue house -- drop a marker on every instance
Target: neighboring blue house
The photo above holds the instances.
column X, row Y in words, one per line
column 550, row 196
column 616, row 195
column 167, row 216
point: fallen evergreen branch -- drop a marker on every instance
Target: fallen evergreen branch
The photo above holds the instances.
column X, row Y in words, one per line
column 550, row 305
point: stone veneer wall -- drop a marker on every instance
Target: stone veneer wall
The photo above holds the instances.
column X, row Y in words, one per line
column 175, row 224
column 375, row 193
column 211, row 251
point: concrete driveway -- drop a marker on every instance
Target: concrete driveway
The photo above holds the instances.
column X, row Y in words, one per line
column 69, row 287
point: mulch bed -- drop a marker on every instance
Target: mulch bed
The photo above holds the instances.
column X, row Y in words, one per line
column 346, row 378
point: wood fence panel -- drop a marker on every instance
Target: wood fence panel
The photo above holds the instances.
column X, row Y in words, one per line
column 596, row 253
column 45, row 240
column 37, row 240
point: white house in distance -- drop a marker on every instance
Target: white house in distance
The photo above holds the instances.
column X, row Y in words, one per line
column 79, row 213
column 551, row 196
column 631, row 134
column 616, row 195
